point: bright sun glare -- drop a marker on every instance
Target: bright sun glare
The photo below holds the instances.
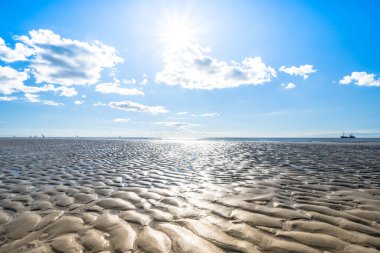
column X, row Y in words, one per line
column 178, row 35
column 177, row 31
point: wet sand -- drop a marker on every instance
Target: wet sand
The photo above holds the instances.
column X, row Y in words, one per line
column 195, row 196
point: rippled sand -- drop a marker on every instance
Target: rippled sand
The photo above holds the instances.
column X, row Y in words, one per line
column 167, row 196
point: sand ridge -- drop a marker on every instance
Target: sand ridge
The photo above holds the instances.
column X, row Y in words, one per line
column 195, row 196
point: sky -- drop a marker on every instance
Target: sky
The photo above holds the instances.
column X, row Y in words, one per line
column 189, row 68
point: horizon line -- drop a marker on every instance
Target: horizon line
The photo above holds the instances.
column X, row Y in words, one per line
column 188, row 138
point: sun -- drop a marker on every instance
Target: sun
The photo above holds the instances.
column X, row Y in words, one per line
column 178, row 35
column 178, row 31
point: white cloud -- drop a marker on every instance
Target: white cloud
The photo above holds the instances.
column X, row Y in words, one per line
column 7, row 98
column 288, row 86
column 54, row 60
column 34, row 98
column 78, row 102
column 11, row 80
column 114, row 87
column 191, row 68
column 52, row 103
column 62, row 90
column 180, row 125
column 131, row 81
column 121, row 120
column 181, row 113
column 360, row 79
column 66, row 91
column 36, row 89
column 130, row 106
column 67, row 62
column 209, row 115
column 19, row 53
column 302, row 70
column 99, row 104
column 204, row 115
column 145, row 80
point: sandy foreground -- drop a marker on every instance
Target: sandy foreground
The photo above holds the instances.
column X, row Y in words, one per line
column 188, row 196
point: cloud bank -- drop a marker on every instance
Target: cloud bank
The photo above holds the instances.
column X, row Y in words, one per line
column 7, row 98
column 302, row 70
column 67, row 62
column 34, row 98
column 192, row 68
column 130, row 106
column 55, row 63
column 115, row 87
column 360, row 79
column 11, row 80
column 179, row 125
column 19, row 53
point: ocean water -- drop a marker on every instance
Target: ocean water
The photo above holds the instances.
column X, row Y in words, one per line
column 315, row 140
column 227, row 139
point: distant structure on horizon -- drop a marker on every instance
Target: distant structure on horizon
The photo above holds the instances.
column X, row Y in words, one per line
column 351, row 136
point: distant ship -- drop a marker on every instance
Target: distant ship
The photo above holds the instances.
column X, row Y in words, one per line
column 351, row 136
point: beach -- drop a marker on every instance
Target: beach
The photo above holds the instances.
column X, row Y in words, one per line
column 118, row 195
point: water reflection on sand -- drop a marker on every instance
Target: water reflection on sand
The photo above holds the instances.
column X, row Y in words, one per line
column 188, row 196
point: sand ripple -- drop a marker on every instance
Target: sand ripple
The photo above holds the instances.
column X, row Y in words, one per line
column 195, row 196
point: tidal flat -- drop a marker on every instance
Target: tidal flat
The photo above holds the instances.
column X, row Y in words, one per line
column 78, row 195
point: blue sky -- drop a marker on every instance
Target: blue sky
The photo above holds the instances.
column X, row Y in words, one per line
column 190, row 68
